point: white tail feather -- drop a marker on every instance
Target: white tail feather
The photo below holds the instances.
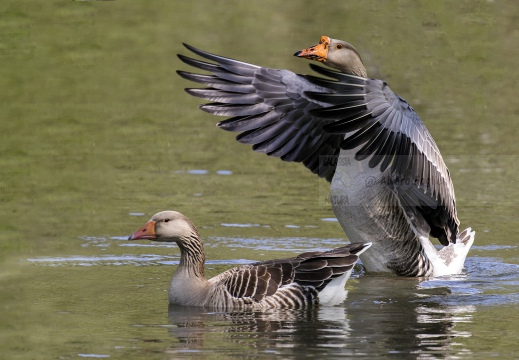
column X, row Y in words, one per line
column 450, row 259
column 334, row 292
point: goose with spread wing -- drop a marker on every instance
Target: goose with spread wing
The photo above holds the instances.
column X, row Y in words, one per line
column 306, row 280
column 389, row 183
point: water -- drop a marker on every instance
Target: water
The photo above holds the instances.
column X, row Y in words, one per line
column 98, row 135
column 397, row 317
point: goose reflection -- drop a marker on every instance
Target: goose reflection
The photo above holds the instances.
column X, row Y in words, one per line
column 400, row 316
column 284, row 327
column 382, row 316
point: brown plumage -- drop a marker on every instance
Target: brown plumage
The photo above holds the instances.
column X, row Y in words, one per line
column 305, row 280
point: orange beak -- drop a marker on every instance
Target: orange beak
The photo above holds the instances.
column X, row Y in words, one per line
column 317, row 52
column 145, row 232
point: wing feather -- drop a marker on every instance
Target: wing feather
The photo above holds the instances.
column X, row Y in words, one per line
column 304, row 118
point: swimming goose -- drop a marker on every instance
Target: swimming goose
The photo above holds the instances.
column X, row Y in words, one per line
column 389, row 183
column 308, row 279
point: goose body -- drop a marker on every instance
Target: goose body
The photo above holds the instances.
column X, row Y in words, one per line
column 305, row 280
column 389, row 183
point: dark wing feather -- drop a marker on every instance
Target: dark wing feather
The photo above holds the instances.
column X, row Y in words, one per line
column 313, row 269
column 318, row 269
column 258, row 280
column 268, row 107
column 304, row 118
column 390, row 133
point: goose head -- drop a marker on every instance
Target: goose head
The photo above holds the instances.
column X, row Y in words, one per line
column 166, row 226
column 336, row 54
column 188, row 285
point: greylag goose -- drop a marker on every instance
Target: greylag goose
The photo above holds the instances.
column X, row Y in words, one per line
column 308, row 279
column 389, row 183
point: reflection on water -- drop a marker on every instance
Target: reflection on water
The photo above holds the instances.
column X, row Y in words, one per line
column 97, row 123
column 490, row 282
column 271, row 331
column 382, row 316
column 397, row 317
column 94, row 356
column 404, row 317
column 294, row 244
column 241, row 225
column 203, row 172
column 139, row 260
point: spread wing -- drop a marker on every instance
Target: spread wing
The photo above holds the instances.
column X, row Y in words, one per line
column 391, row 134
column 268, row 107
column 305, row 119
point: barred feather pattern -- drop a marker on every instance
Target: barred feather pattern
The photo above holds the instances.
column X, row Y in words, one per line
column 292, row 296
column 191, row 248
column 284, row 283
column 292, row 283
column 192, row 254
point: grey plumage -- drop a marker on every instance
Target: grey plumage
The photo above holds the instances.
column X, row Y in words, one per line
column 300, row 118
column 309, row 119
column 284, row 283
column 276, row 120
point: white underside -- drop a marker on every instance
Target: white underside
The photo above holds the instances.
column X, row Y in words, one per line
column 350, row 199
column 357, row 193
column 334, row 293
column 450, row 259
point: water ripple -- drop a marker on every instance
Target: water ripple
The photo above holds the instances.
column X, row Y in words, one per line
column 117, row 260
column 488, row 281
column 295, row 244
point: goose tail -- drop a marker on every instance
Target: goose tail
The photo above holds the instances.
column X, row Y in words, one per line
column 334, row 292
column 454, row 255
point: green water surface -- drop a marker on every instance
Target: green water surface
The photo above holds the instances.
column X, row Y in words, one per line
column 97, row 134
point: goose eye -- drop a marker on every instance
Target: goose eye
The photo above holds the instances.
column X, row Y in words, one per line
column 166, row 220
column 339, row 46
